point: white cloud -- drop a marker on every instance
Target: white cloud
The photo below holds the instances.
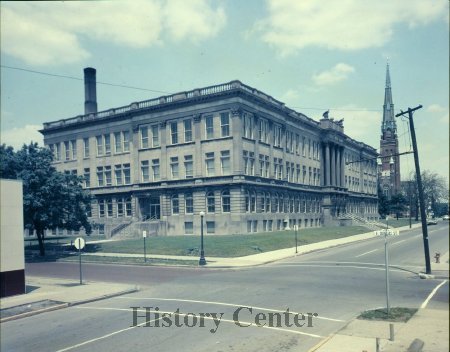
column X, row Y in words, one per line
column 435, row 108
column 193, row 20
column 342, row 24
column 17, row 137
column 48, row 33
column 356, row 122
column 334, row 75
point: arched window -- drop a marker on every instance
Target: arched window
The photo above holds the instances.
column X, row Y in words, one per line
column 262, row 202
column 175, row 205
column 281, row 203
column 226, row 202
column 210, row 202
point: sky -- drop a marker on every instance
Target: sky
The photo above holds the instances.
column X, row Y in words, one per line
column 313, row 55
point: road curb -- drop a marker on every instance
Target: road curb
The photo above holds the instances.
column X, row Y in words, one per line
column 68, row 304
column 124, row 292
column 35, row 312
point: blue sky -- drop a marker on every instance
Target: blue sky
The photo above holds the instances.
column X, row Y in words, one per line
column 311, row 54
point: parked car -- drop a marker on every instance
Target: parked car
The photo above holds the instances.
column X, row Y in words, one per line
column 431, row 221
column 446, row 217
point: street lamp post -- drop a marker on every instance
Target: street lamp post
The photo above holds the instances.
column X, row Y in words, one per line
column 202, row 260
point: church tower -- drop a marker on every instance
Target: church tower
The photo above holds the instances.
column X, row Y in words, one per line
column 389, row 177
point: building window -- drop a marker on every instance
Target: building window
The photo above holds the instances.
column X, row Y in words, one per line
column 248, row 126
column 108, row 176
column 128, row 206
column 210, row 227
column 226, row 202
column 277, row 136
column 174, row 169
column 67, row 150
column 253, row 202
column 109, row 208
column 117, row 142
column 210, row 202
column 209, row 162
column 188, row 130
column 304, row 146
column 86, row 147
column 225, row 162
column 145, row 171
column 175, row 205
column 126, row 141
column 73, row 145
column 100, row 179
column 263, row 135
column 155, row 169
column 87, row 177
column 189, row 166
column 188, row 228
column 107, row 141
column 120, row 207
column 189, row 203
column 127, row 174
column 101, row 208
column 144, row 136
column 155, row 136
column 225, row 124
column 209, row 127
column 58, row 151
column 174, row 132
column 118, row 174
column 99, row 140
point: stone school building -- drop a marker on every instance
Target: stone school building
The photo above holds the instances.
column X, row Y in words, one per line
column 241, row 157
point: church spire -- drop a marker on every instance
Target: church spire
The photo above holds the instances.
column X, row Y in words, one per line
column 388, row 107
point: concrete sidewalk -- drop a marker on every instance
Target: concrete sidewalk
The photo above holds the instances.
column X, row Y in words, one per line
column 45, row 294
column 427, row 330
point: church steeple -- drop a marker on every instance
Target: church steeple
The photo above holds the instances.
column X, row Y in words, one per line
column 389, row 176
column 388, row 108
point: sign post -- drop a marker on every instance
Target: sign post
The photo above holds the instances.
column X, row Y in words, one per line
column 144, row 234
column 79, row 244
column 387, row 232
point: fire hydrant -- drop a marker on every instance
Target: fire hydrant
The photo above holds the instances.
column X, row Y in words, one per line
column 437, row 256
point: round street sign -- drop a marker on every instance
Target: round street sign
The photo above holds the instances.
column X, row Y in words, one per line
column 79, row 243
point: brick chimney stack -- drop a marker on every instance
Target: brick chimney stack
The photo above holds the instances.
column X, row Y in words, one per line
column 90, row 91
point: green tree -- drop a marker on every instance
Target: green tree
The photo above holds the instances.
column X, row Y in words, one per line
column 398, row 204
column 383, row 203
column 51, row 199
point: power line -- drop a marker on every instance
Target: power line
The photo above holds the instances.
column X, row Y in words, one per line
column 81, row 79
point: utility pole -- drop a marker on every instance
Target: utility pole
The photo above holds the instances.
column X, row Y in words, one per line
column 423, row 215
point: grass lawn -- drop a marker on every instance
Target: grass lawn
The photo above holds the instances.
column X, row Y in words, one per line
column 396, row 314
column 392, row 222
column 226, row 246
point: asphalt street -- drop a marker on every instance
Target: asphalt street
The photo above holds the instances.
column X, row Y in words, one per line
column 200, row 309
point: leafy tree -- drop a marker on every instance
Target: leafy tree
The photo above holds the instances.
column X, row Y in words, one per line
column 51, row 199
column 383, row 203
column 398, row 204
column 8, row 163
column 435, row 189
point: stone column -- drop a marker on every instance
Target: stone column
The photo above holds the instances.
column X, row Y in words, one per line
column 198, row 155
column 163, row 160
column 327, row 164
column 342, row 167
column 338, row 166
column 333, row 166
column 322, row 168
column 237, row 133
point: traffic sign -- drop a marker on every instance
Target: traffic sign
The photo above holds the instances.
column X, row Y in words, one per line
column 388, row 232
column 144, row 233
column 79, row 243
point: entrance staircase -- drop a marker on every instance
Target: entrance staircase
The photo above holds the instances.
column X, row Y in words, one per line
column 134, row 229
column 370, row 224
